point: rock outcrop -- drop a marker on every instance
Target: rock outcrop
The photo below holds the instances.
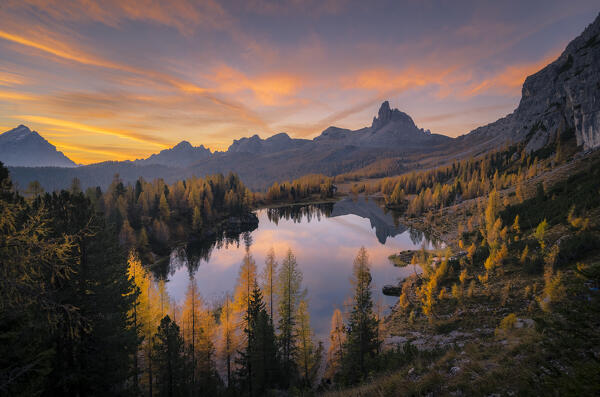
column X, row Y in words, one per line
column 562, row 98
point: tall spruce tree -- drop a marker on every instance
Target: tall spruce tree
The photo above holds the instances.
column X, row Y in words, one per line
column 362, row 341
column 257, row 362
column 93, row 357
column 169, row 359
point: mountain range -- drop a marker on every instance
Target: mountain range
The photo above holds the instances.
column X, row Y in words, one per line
column 561, row 98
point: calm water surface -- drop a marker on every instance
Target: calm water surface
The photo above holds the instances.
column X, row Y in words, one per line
column 325, row 240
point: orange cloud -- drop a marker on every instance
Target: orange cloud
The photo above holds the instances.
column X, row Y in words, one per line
column 96, row 130
column 83, row 154
column 15, row 96
column 57, row 49
column 307, row 130
column 63, row 51
column 509, row 80
column 270, row 89
column 461, row 80
column 11, row 79
column 384, row 79
column 184, row 15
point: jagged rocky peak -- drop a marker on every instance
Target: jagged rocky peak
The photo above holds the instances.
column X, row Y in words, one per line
column 390, row 128
column 386, row 114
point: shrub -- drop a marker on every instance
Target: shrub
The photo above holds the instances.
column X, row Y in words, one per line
column 508, row 322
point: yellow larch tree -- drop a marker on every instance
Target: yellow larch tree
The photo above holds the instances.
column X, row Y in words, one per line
column 337, row 338
column 269, row 282
column 243, row 288
column 190, row 324
column 147, row 315
column 308, row 355
column 228, row 338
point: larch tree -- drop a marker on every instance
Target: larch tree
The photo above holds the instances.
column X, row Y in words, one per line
column 206, row 352
column 165, row 301
column 243, row 288
column 269, row 282
column 228, row 340
column 153, row 316
column 197, row 220
column 139, row 312
column 492, row 227
column 290, row 294
column 192, row 308
column 308, row 358
column 337, row 339
column 163, row 206
column 199, row 325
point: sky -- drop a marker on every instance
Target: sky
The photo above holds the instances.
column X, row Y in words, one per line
column 115, row 80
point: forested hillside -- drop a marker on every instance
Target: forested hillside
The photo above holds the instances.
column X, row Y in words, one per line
column 511, row 305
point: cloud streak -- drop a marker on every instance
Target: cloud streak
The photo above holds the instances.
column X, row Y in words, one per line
column 211, row 71
column 136, row 136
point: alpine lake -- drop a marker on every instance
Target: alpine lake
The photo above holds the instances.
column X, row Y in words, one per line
column 325, row 239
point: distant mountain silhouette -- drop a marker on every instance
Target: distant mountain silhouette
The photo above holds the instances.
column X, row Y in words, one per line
column 391, row 127
column 25, row 148
column 256, row 145
column 259, row 162
column 181, row 155
column 560, row 99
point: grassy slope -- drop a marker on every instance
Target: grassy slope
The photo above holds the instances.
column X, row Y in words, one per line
column 554, row 352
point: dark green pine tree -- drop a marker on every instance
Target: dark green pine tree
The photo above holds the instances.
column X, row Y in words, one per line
column 33, row 267
column 93, row 349
column 168, row 356
column 258, row 366
column 362, row 337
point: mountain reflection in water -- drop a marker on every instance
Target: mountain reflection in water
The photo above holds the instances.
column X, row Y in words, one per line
column 325, row 239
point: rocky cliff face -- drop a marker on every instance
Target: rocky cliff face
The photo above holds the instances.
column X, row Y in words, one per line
column 562, row 97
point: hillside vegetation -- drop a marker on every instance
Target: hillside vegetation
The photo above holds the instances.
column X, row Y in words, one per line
column 511, row 307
